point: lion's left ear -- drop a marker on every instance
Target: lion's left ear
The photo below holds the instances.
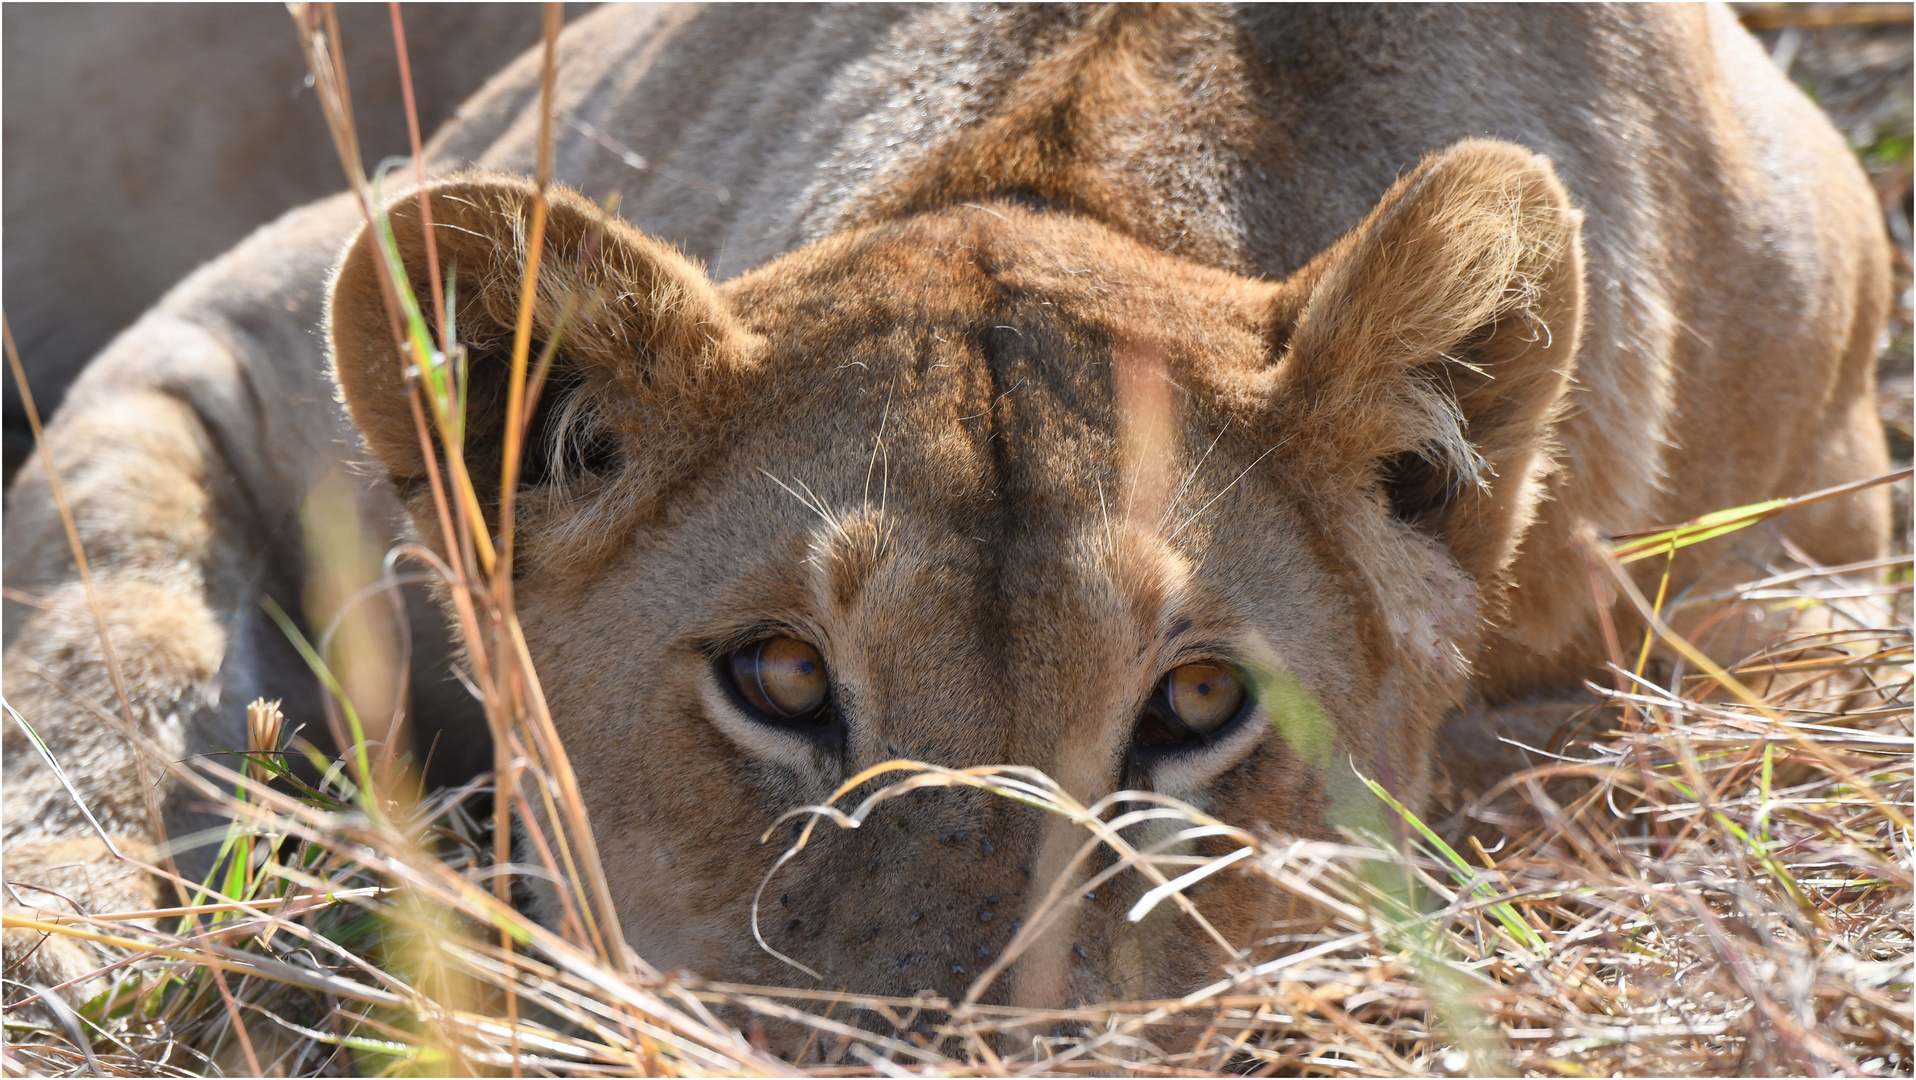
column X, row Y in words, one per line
column 648, row 346
column 1428, row 351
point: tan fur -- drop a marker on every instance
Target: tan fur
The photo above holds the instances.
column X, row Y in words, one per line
column 1156, row 340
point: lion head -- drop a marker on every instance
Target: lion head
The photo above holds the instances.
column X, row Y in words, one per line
column 991, row 485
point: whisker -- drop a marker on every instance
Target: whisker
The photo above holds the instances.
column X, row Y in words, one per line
column 1227, row 487
column 1110, row 540
column 802, row 500
column 878, row 442
column 1178, row 496
column 823, row 511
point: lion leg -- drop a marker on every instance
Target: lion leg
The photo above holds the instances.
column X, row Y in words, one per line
column 176, row 571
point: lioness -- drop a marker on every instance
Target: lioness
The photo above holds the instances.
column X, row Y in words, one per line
column 1076, row 377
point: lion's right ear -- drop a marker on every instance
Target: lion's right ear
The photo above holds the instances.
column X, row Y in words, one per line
column 644, row 356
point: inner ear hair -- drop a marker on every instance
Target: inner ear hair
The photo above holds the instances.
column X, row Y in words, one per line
column 570, row 438
column 571, row 442
column 1424, row 483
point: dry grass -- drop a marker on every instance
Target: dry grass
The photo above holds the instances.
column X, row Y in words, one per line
column 1713, row 875
column 1698, row 885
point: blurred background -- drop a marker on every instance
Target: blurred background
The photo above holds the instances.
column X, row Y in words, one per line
column 142, row 140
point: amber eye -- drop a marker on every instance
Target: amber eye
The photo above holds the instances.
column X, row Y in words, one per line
column 1203, row 697
column 781, row 677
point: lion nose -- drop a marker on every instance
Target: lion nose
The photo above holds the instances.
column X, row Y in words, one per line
column 924, row 895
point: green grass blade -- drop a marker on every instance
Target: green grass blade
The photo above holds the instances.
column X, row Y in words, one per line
column 325, row 675
column 1462, row 871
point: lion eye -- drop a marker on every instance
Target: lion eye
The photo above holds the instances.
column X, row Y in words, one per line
column 781, row 677
column 1203, row 697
